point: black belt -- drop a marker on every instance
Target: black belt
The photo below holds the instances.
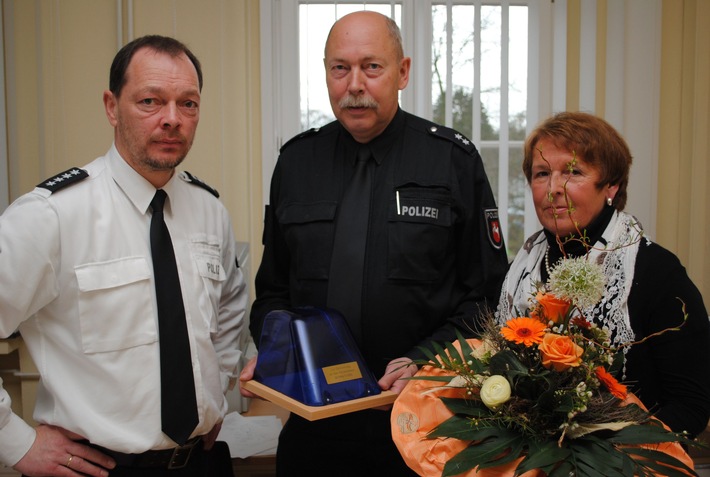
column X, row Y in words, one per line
column 176, row 458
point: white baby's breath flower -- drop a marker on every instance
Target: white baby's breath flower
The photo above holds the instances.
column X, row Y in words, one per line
column 578, row 280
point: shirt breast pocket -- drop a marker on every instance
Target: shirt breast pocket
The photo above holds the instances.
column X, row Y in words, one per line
column 308, row 230
column 419, row 232
column 115, row 304
column 206, row 251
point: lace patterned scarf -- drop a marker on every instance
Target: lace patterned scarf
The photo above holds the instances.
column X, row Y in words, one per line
column 617, row 258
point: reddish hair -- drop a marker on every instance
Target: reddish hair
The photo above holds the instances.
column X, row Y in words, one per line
column 594, row 142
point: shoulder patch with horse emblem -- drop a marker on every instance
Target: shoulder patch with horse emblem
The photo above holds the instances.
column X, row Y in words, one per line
column 493, row 228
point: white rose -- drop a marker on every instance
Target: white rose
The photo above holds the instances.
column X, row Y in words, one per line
column 495, row 391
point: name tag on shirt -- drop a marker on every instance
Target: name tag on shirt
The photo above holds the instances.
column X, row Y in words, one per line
column 210, row 267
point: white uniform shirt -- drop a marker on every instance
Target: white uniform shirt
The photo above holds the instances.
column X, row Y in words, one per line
column 76, row 277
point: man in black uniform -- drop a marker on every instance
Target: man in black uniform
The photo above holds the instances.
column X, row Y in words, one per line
column 432, row 257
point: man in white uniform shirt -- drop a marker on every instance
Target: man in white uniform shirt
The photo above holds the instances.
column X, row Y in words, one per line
column 77, row 281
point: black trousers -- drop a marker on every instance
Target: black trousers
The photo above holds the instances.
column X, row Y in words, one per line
column 353, row 445
column 216, row 462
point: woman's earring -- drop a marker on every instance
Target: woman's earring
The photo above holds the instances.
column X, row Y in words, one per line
column 608, row 201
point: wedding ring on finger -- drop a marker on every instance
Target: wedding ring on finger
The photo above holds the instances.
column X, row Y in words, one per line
column 68, row 464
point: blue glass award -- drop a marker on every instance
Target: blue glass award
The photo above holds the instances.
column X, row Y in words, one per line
column 310, row 355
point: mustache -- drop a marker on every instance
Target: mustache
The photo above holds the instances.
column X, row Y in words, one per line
column 351, row 101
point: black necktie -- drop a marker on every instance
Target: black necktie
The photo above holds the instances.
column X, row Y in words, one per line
column 177, row 384
column 348, row 259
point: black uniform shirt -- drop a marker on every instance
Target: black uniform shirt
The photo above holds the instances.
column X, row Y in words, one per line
column 433, row 260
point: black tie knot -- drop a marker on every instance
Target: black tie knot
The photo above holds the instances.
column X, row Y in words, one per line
column 158, row 201
column 364, row 154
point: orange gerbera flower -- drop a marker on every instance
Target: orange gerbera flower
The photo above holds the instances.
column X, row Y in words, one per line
column 523, row 330
column 610, row 382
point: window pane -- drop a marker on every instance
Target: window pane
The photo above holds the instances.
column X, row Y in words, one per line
column 490, row 72
column 517, row 106
column 518, row 72
column 462, row 67
column 516, row 199
column 490, row 152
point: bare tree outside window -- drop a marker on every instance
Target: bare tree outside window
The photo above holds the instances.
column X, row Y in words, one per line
column 461, row 33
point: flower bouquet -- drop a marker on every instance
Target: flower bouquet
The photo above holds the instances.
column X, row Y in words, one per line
column 536, row 395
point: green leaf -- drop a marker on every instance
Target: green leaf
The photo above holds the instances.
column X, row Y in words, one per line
column 430, row 356
column 467, row 407
column 564, row 469
column 458, row 427
column 477, row 366
column 515, row 451
column 454, row 353
column 658, row 461
column 582, row 469
column 491, row 452
column 544, row 456
column 506, row 362
column 439, row 379
column 443, row 357
column 650, row 433
column 592, row 454
column 466, row 349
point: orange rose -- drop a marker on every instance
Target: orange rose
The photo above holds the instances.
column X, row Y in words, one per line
column 551, row 308
column 560, row 352
column 610, row 382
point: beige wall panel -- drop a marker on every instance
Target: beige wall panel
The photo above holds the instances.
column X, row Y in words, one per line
column 683, row 210
column 82, row 46
column 22, row 87
column 601, row 60
column 670, row 126
column 57, row 70
column 699, row 265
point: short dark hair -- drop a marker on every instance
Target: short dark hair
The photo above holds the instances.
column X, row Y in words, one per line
column 162, row 44
column 593, row 140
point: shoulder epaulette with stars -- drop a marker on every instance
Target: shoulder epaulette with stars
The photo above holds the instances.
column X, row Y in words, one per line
column 191, row 179
column 295, row 138
column 63, row 179
column 453, row 136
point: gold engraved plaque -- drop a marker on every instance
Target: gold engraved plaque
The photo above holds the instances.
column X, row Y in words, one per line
column 342, row 372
